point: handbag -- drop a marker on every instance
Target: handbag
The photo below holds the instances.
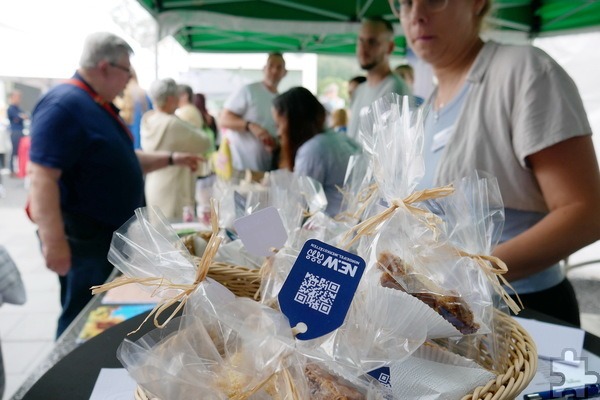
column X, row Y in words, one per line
column 221, row 160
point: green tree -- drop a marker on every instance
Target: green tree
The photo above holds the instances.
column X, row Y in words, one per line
column 336, row 69
column 340, row 69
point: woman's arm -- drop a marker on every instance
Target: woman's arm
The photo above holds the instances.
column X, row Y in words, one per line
column 153, row 160
column 569, row 179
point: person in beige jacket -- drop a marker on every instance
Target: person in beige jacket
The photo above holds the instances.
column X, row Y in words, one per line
column 172, row 188
column 186, row 110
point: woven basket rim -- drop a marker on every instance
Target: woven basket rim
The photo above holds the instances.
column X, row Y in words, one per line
column 521, row 363
column 520, row 370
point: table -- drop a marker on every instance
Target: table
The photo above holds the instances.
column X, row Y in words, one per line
column 67, row 343
column 75, row 375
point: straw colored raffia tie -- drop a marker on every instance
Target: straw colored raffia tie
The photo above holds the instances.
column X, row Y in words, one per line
column 365, row 197
column 496, row 268
column 368, row 226
column 263, row 271
column 163, row 284
column 307, row 214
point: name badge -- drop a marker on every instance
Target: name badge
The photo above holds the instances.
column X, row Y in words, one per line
column 319, row 289
column 441, row 139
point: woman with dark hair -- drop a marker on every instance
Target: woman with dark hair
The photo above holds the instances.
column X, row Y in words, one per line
column 307, row 148
column 209, row 121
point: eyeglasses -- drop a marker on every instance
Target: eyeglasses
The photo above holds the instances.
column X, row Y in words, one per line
column 402, row 8
column 122, row 68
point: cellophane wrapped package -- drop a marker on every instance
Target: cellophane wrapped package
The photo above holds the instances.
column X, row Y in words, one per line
column 424, row 308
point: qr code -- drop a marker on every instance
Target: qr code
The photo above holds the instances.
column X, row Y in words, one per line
column 384, row 379
column 317, row 293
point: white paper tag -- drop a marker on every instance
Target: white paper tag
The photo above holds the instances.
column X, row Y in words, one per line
column 113, row 384
column 261, row 231
column 554, row 342
column 441, row 139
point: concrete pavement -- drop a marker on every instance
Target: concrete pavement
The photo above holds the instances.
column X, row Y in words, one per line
column 27, row 331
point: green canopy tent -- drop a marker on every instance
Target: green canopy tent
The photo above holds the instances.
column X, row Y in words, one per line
column 330, row 26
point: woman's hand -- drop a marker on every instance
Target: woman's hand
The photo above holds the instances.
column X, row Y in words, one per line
column 189, row 160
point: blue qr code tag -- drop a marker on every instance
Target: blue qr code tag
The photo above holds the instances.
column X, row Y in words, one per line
column 383, row 375
column 320, row 287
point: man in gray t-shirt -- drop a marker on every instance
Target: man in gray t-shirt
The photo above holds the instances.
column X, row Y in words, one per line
column 374, row 46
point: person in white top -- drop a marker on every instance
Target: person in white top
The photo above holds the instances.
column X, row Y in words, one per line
column 246, row 115
column 512, row 112
column 373, row 49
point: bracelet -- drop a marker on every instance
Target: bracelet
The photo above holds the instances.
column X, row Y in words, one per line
column 170, row 162
column 248, row 126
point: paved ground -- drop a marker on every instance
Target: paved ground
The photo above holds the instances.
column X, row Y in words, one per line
column 27, row 331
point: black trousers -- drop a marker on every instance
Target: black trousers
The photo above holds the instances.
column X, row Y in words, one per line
column 558, row 301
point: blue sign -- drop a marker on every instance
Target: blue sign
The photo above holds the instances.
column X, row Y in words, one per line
column 320, row 287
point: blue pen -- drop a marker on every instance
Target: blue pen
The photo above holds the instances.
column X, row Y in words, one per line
column 581, row 392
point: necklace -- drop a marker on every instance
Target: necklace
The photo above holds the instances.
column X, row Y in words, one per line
column 449, row 93
column 437, row 109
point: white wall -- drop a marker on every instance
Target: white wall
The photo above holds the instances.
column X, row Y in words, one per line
column 579, row 55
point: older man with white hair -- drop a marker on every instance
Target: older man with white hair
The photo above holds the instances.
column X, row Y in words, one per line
column 86, row 178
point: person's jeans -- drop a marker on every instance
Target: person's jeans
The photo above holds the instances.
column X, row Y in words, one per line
column 75, row 287
column 15, row 138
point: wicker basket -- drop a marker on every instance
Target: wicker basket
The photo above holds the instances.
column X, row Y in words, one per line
column 188, row 240
column 520, row 366
column 242, row 281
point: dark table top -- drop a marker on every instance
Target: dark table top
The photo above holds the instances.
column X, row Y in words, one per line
column 75, row 375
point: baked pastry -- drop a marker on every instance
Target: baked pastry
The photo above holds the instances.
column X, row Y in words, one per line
column 324, row 386
column 321, row 384
column 450, row 306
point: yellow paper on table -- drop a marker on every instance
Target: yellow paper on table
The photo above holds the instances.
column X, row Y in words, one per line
column 221, row 160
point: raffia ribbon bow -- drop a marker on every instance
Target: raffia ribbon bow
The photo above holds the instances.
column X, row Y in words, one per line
column 495, row 268
column 163, row 284
column 369, row 226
